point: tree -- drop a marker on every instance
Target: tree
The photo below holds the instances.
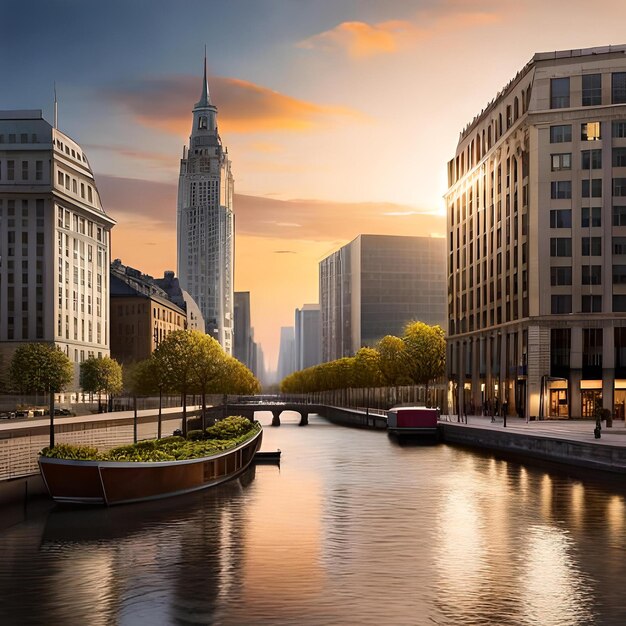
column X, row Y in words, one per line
column 41, row 367
column 209, row 360
column 176, row 353
column 426, row 352
column 366, row 368
column 392, row 361
column 149, row 376
column 101, row 375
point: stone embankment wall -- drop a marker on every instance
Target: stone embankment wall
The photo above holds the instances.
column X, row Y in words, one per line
column 598, row 456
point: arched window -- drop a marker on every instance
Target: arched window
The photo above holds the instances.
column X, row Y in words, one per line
column 499, row 124
column 515, row 109
column 489, row 138
column 202, row 123
column 523, row 101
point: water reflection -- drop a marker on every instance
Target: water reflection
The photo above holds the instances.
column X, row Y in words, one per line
column 352, row 529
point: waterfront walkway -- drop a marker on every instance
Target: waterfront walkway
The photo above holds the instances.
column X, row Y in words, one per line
column 566, row 430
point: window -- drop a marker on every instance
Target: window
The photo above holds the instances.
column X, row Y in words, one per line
column 38, row 170
column 60, row 178
column 619, row 128
column 618, row 88
column 596, row 216
column 559, row 93
column 619, row 216
column 619, row 245
column 619, row 187
column 591, row 274
column 10, row 170
column 562, row 161
column 619, row 305
column 24, row 170
column 596, row 188
column 596, row 159
column 590, row 131
column 560, row 276
column 202, row 123
column 619, row 274
column 561, row 304
column 592, row 246
column 592, row 304
column 561, row 189
column 592, row 90
column 619, row 157
column 89, row 194
column 560, row 246
column 561, row 134
column 561, row 218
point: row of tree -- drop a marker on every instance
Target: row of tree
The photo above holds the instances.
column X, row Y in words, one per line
column 418, row 358
column 185, row 362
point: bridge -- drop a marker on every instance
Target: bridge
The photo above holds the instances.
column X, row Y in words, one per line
column 247, row 408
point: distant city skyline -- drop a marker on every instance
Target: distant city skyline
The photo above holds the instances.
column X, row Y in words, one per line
column 339, row 116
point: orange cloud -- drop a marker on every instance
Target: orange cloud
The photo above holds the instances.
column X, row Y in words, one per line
column 244, row 107
column 361, row 40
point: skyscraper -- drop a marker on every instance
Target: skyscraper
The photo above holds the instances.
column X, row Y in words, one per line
column 308, row 336
column 54, row 242
column 205, row 222
column 374, row 285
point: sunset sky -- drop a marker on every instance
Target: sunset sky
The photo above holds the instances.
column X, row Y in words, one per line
column 339, row 115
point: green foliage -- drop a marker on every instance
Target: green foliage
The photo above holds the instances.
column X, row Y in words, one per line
column 230, row 428
column 40, row 367
column 101, row 375
column 392, row 361
column 68, row 451
column 156, row 450
column 195, row 435
column 426, row 352
column 416, row 358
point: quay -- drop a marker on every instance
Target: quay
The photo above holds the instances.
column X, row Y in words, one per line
column 570, row 442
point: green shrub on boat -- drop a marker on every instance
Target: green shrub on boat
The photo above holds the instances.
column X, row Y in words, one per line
column 228, row 433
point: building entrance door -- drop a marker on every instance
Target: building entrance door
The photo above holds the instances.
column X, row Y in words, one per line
column 558, row 404
column 620, row 404
column 590, row 398
column 520, row 397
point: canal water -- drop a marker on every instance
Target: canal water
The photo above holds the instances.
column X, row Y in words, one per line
column 351, row 529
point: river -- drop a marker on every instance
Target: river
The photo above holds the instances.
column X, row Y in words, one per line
column 351, row 529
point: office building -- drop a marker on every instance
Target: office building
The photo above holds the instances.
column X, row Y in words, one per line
column 374, row 285
column 242, row 345
column 308, row 336
column 205, row 222
column 55, row 241
column 286, row 353
column 536, row 211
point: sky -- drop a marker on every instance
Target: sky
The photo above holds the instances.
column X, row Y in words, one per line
column 339, row 115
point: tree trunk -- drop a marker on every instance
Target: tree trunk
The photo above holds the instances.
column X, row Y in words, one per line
column 203, row 410
column 159, row 420
column 184, row 414
column 51, row 409
column 426, row 395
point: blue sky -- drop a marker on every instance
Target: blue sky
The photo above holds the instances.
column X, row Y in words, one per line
column 339, row 115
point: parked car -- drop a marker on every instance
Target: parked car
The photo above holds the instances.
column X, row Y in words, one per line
column 7, row 415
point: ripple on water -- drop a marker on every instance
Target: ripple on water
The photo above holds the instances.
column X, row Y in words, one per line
column 351, row 529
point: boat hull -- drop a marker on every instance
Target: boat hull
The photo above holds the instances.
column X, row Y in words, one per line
column 112, row 482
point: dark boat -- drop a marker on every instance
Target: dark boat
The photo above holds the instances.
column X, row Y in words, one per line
column 269, row 456
column 121, row 482
column 413, row 421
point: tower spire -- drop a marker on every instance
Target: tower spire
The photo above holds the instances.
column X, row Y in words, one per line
column 205, row 98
